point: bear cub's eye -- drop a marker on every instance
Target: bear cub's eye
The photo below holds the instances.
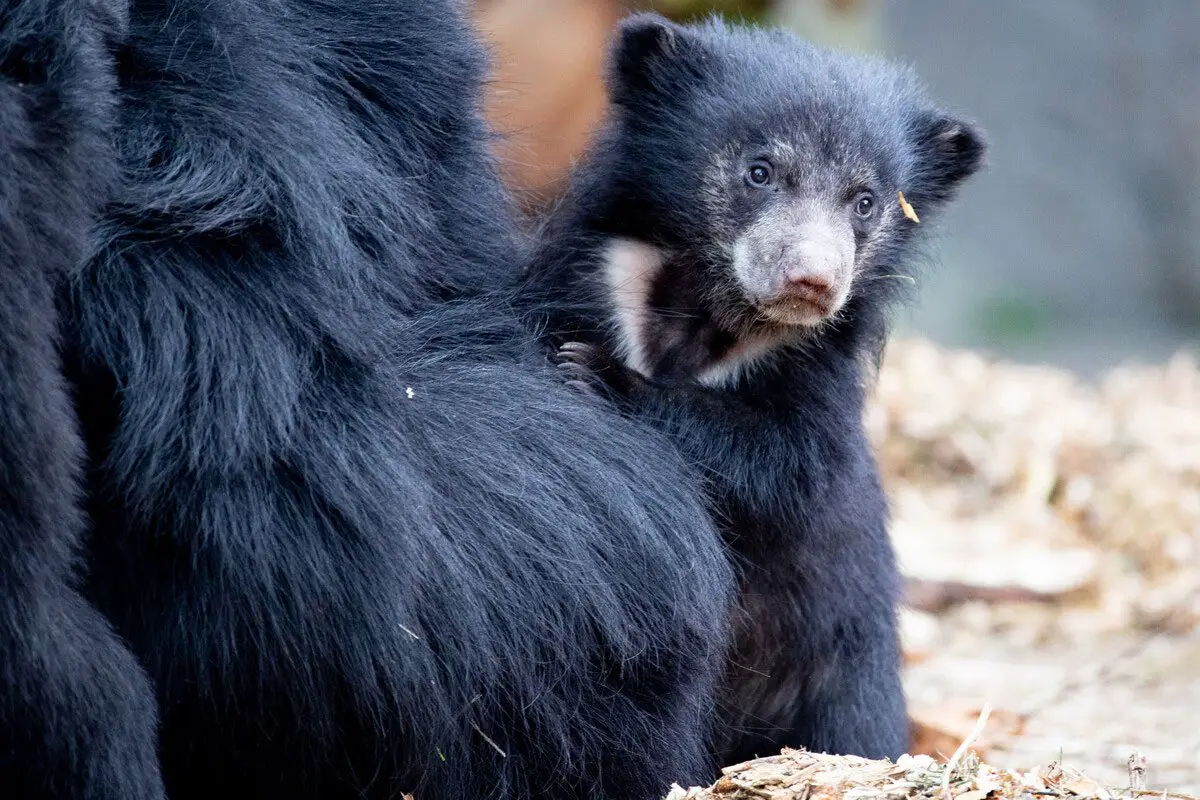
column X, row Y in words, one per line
column 864, row 205
column 759, row 175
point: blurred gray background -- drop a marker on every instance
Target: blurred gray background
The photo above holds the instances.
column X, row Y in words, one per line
column 1081, row 243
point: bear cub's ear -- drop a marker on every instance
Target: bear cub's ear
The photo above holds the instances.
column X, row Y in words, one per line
column 951, row 150
column 643, row 45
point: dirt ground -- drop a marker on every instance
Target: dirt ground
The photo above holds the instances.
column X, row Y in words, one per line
column 1051, row 528
column 1087, row 707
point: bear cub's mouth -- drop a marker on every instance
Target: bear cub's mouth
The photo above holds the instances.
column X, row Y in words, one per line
column 796, row 311
column 802, row 303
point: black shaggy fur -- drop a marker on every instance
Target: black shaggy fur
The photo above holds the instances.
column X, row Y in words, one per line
column 77, row 713
column 360, row 536
column 791, row 476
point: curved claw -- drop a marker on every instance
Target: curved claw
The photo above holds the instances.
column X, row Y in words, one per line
column 577, row 360
column 597, row 367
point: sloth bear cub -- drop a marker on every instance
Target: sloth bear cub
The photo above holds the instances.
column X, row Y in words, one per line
column 722, row 269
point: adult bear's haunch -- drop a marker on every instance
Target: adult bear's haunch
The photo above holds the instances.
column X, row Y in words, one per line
column 76, row 711
column 340, row 508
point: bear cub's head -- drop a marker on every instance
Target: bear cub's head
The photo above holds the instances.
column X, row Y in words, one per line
column 771, row 168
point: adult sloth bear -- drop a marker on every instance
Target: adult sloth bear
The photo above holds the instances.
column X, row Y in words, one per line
column 339, row 507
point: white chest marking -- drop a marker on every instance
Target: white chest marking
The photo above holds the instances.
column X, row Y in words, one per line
column 739, row 357
column 630, row 268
